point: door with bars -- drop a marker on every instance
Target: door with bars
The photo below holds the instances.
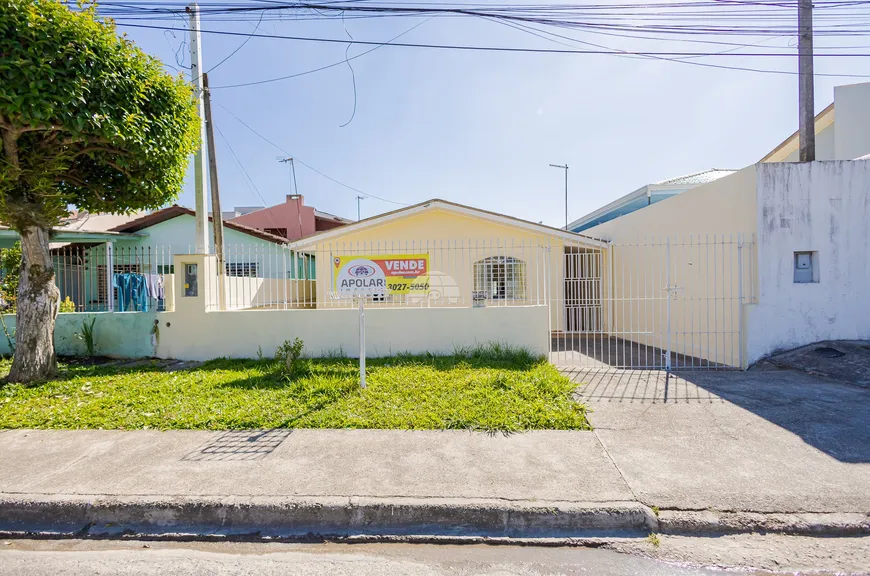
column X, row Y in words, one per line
column 661, row 303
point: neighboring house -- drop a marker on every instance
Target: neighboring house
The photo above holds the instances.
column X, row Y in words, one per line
column 646, row 195
column 845, row 140
column 506, row 261
column 139, row 253
column 87, row 222
column 802, row 229
column 844, row 137
column 291, row 220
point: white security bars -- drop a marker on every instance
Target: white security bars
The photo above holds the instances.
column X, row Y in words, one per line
column 661, row 303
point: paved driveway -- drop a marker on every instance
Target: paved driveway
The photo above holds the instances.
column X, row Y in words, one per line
column 767, row 441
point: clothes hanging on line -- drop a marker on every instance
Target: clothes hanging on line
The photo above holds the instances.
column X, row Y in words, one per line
column 154, row 282
column 132, row 291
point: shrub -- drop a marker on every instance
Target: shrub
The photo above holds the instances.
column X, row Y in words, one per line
column 289, row 354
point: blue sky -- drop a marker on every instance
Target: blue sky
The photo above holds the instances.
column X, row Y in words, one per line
column 480, row 128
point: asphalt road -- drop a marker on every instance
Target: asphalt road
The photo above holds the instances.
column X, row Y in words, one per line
column 64, row 557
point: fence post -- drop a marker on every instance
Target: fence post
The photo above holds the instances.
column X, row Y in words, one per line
column 110, row 276
column 740, row 331
column 668, row 296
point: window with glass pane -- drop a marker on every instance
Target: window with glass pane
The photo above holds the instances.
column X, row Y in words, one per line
column 501, row 278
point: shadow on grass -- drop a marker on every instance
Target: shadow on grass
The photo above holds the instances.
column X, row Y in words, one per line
column 83, row 368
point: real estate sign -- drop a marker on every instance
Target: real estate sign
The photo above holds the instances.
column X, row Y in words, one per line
column 373, row 275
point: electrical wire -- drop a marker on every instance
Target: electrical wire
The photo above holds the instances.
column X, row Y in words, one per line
column 249, row 182
column 352, row 73
column 309, row 166
column 242, row 45
column 321, row 68
column 509, row 49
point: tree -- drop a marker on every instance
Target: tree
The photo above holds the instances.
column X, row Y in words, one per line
column 87, row 120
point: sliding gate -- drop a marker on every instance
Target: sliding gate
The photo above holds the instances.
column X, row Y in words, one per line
column 663, row 303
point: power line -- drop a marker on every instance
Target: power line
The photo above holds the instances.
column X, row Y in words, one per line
column 682, row 60
column 249, row 182
column 242, row 45
column 309, row 166
column 321, row 68
column 465, row 47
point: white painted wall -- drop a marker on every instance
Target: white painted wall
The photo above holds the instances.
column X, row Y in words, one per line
column 852, row 107
column 190, row 334
column 824, row 207
column 825, row 144
column 847, row 135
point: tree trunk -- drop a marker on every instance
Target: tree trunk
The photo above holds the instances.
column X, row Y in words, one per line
column 38, row 300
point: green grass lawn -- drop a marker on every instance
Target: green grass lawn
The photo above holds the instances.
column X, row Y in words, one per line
column 484, row 389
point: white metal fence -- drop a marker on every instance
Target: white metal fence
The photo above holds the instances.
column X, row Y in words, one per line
column 461, row 274
column 660, row 303
column 101, row 278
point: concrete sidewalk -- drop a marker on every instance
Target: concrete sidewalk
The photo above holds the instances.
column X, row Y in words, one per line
column 732, row 452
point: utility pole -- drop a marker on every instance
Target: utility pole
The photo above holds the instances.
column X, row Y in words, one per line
column 217, row 219
column 358, row 212
column 199, row 159
column 565, row 168
column 807, row 122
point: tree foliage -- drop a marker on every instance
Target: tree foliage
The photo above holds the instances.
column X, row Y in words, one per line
column 10, row 275
column 87, row 118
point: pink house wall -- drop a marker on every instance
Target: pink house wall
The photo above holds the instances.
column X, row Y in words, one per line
column 293, row 216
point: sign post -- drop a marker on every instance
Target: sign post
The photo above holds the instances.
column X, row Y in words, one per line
column 362, row 342
column 377, row 275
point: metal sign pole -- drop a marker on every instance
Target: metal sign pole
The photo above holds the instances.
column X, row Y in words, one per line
column 362, row 342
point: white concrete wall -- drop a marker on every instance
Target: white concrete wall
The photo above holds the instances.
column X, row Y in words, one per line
column 194, row 335
column 824, row 207
column 852, row 105
column 825, row 144
column 704, row 226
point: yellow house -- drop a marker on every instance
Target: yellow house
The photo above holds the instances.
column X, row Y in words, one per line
column 476, row 258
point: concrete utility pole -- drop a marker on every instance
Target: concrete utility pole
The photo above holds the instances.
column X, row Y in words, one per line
column 199, row 159
column 565, row 168
column 358, row 212
column 217, row 218
column 807, row 123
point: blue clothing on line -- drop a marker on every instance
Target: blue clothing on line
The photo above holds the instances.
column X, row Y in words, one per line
column 132, row 291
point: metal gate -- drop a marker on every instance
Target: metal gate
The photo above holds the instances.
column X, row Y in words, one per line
column 662, row 303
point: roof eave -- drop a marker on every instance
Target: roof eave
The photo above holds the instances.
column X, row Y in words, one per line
column 450, row 206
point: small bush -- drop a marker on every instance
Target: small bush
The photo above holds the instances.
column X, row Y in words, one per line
column 289, row 354
column 67, row 306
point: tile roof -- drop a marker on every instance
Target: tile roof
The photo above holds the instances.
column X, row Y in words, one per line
column 175, row 210
column 697, row 178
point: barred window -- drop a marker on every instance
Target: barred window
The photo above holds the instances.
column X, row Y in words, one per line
column 501, row 278
column 243, row 269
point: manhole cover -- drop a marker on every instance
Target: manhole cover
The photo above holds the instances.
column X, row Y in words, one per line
column 828, row 352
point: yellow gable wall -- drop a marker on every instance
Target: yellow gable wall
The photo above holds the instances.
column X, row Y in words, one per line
column 454, row 242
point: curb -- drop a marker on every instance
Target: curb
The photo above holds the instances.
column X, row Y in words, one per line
column 368, row 519
column 802, row 523
column 324, row 517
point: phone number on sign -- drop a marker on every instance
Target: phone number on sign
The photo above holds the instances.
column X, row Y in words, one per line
column 403, row 286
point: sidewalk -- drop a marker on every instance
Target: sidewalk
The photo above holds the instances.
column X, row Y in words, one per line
column 780, row 451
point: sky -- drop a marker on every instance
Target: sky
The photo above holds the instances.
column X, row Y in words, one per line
column 478, row 128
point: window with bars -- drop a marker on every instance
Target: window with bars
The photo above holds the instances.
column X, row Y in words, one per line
column 500, row 278
column 245, row 269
